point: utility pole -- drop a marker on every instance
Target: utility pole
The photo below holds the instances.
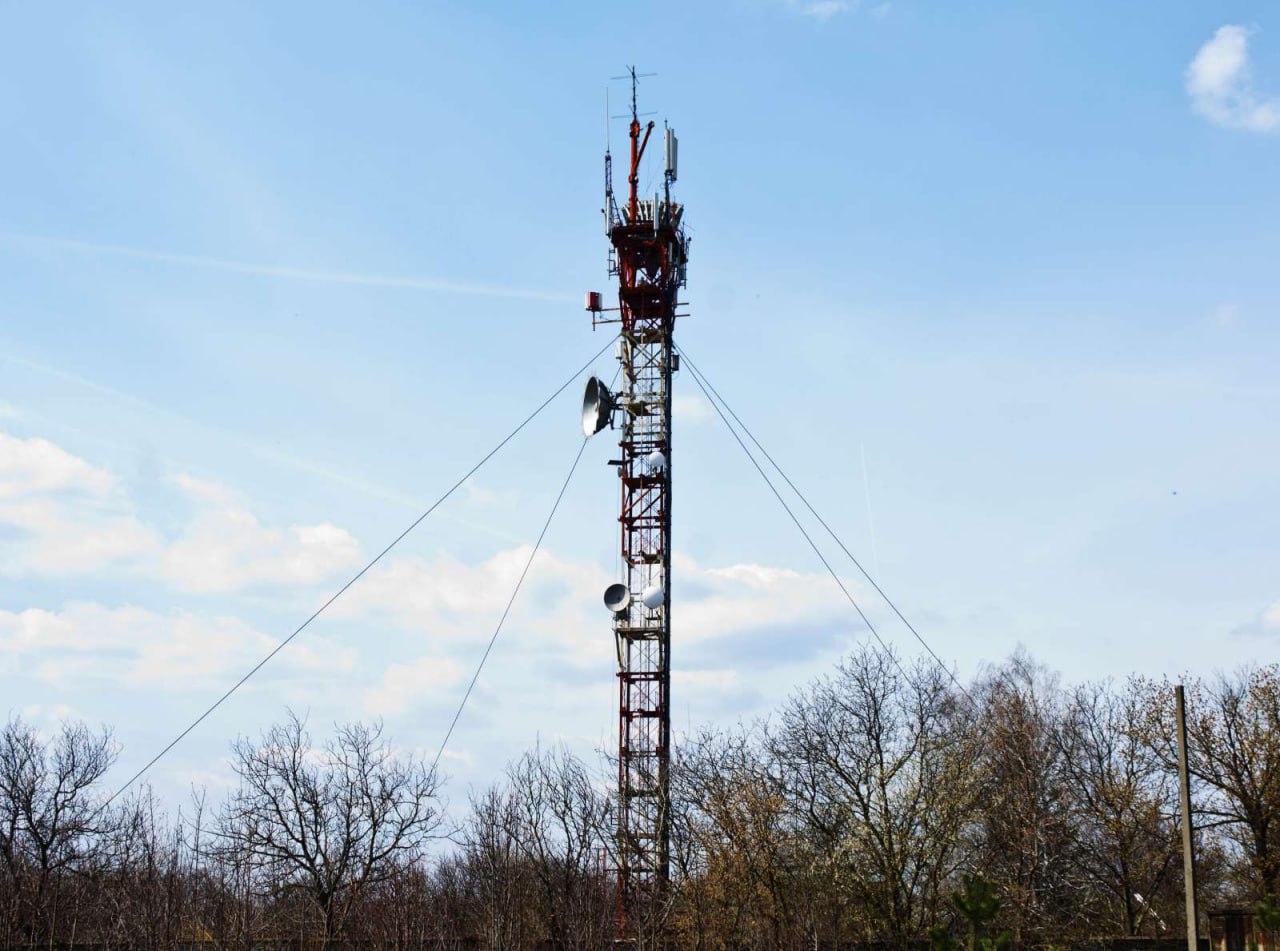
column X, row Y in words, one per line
column 1188, row 840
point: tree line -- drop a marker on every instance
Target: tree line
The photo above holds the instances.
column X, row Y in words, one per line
column 882, row 806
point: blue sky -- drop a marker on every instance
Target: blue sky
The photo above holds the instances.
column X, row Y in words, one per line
column 272, row 278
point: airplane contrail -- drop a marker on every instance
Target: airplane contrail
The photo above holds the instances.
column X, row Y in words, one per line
column 286, row 273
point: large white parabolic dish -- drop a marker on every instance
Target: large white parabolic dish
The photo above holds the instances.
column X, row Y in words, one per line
column 598, row 405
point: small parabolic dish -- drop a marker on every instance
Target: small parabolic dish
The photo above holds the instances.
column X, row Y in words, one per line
column 617, row 597
column 653, row 596
column 656, row 461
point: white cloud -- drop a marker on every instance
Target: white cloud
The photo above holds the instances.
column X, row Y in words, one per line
column 558, row 620
column 450, row 601
column 1220, row 85
column 60, row 514
column 203, row 489
column 743, row 597
column 692, row 408
column 74, row 516
column 1226, row 315
column 227, row 549
column 87, row 641
column 1264, row 624
column 49, row 715
column 65, row 516
column 32, row 466
column 62, row 546
column 1271, row 617
column 1268, row 622
column 742, row 630
column 404, row 684
column 461, row 757
column 701, row 680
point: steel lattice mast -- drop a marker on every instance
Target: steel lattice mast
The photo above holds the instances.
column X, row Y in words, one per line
column 648, row 256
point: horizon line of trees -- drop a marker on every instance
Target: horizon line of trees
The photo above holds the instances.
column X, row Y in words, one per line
column 880, row 807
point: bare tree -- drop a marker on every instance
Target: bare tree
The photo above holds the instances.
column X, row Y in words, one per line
column 1026, row 842
column 135, row 884
column 737, row 843
column 879, row 760
column 493, row 869
column 1233, row 739
column 562, row 822
column 49, row 817
column 1122, row 804
column 327, row 822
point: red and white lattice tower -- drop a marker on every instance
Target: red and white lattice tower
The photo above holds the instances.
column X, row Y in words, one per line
column 648, row 255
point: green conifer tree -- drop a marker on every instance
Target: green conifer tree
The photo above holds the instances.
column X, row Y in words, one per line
column 978, row 903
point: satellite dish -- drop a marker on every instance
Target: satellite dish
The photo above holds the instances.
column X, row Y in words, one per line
column 617, row 597
column 656, row 461
column 653, row 596
column 598, row 405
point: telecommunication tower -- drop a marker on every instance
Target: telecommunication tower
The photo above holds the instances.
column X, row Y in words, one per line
column 648, row 254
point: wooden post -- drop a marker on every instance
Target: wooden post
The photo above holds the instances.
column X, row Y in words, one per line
column 1188, row 841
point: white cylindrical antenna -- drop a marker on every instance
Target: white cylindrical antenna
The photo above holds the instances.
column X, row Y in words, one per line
column 672, row 149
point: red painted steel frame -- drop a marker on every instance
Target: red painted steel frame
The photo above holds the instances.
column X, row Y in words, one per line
column 649, row 250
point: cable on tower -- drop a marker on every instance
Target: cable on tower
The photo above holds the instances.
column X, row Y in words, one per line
column 360, row 574
column 511, row 601
column 716, row 401
column 502, row 620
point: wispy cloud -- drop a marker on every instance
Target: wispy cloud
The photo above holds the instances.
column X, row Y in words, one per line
column 358, row 279
column 821, row 9
column 404, row 685
column 86, row 641
column 1265, row 624
column 692, row 408
column 1226, row 315
column 1220, row 84
column 265, row 451
column 63, row 516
